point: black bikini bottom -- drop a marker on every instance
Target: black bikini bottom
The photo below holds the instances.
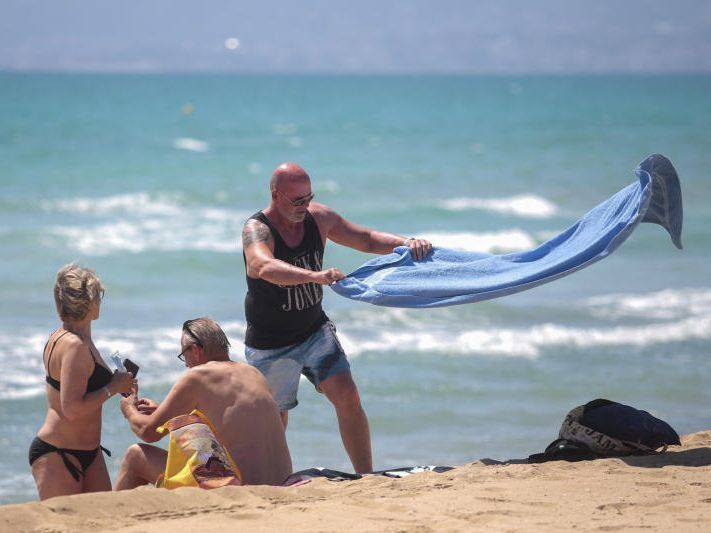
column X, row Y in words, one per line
column 38, row 448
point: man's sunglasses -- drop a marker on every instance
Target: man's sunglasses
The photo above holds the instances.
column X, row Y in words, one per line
column 186, row 329
column 299, row 201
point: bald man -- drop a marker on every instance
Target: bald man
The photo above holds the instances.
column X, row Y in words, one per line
column 288, row 334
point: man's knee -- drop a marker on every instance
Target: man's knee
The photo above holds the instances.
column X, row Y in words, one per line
column 344, row 394
column 133, row 457
column 140, row 457
column 143, row 461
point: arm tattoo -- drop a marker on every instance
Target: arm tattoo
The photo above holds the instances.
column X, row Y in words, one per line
column 255, row 231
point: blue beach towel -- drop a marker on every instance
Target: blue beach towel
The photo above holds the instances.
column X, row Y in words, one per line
column 450, row 277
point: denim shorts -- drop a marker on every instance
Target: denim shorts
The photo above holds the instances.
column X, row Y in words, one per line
column 318, row 358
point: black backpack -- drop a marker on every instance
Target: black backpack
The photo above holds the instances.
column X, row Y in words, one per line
column 603, row 428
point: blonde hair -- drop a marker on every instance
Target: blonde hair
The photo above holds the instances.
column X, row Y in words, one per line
column 74, row 291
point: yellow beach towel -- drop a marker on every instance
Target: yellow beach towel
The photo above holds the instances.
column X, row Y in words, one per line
column 196, row 457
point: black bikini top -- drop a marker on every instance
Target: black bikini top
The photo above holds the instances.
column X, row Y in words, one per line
column 100, row 377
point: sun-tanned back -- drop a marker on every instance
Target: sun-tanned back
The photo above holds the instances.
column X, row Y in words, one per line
column 237, row 399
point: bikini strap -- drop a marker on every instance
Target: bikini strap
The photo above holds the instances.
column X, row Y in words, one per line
column 92, row 355
column 54, row 344
column 96, row 363
column 75, row 471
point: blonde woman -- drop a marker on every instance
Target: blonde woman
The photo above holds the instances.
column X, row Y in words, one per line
column 65, row 456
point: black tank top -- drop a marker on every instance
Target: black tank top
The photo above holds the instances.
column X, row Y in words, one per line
column 100, row 377
column 281, row 315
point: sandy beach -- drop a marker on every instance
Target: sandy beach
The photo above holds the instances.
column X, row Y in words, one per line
column 655, row 493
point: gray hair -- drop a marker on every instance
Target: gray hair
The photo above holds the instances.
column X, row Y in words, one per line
column 209, row 335
column 74, row 291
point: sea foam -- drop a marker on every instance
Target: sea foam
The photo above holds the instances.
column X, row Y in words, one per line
column 191, row 145
column 524, row 205
column 140, row 204
column 192, row 233
column 504, row 241
column 141, row 222
column 383, row 331
column 528, row 342
column 663, row 305
column 639, row 320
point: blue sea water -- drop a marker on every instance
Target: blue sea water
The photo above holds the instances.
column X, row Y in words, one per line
column 148, row 179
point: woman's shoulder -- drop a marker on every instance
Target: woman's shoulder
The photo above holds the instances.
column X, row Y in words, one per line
column 70, row 346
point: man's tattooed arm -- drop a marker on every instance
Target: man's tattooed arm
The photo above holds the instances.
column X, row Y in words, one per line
column 256, row 231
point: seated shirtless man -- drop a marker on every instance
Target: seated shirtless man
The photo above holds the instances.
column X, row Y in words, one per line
column 234, row 396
